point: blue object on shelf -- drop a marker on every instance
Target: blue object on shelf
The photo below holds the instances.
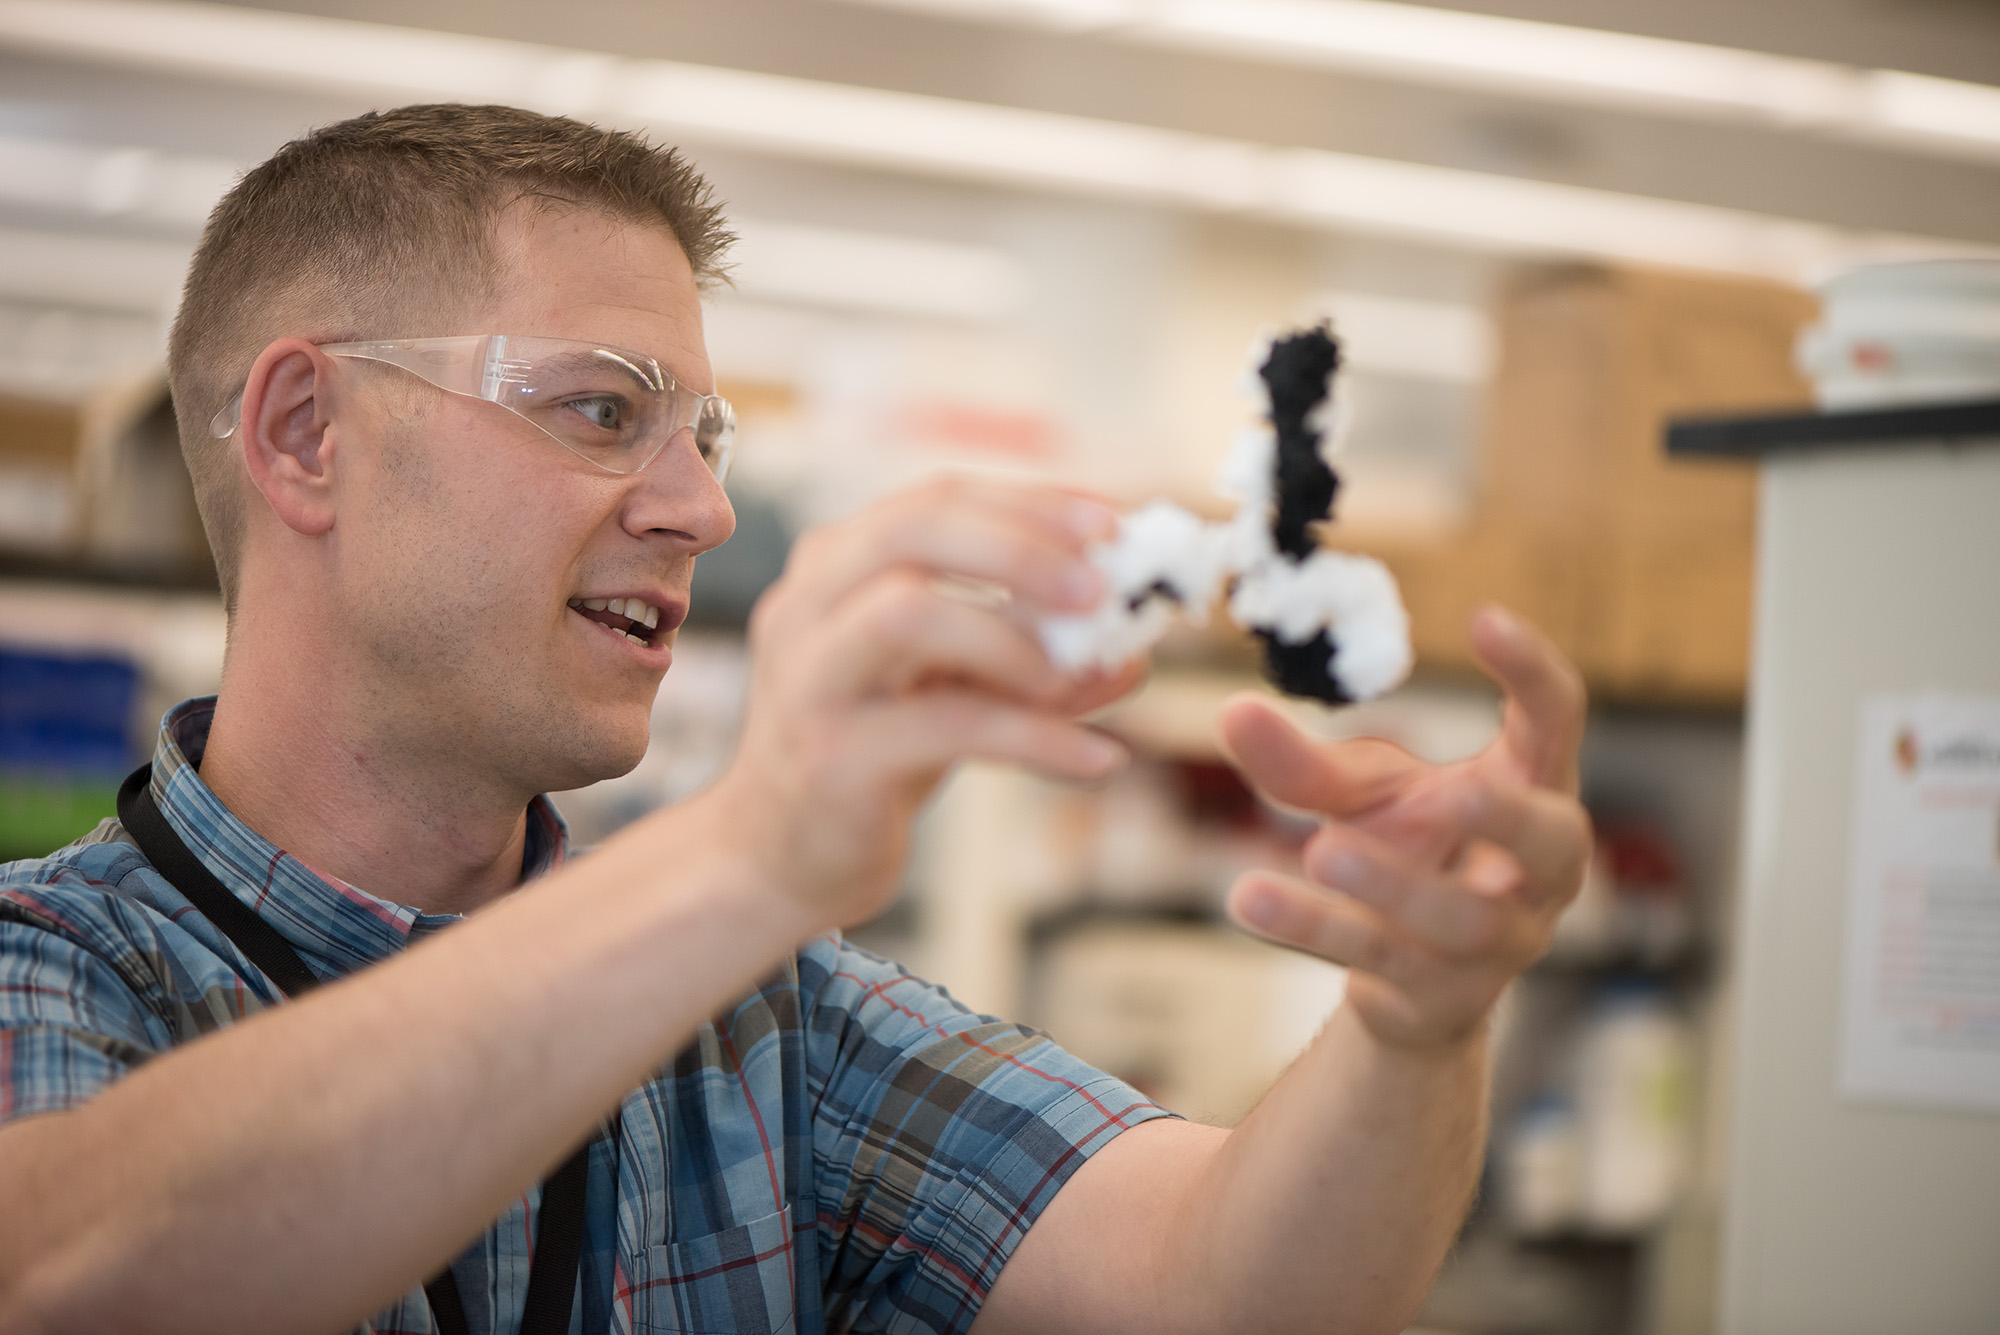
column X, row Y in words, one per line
column 68, row 713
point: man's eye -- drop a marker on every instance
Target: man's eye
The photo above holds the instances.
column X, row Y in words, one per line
column 606, row 411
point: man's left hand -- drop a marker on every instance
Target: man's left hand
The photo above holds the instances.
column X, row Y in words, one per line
column 1436, row 885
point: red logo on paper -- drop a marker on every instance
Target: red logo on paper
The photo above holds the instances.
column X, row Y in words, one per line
column 1907, row 753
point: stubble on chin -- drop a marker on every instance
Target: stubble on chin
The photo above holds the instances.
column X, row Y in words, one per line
column 453, row 690
column 599, row 748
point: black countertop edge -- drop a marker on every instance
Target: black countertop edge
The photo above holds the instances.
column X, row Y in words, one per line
column 1750, row 437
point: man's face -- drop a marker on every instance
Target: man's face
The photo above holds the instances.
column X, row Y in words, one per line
column 471, row 540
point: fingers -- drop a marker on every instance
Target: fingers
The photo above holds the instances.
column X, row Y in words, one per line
column 1449, row 811
column 1436, row 991
column 1399, row 988
column 1336, row 779
column 1402, row 987
column 935, row 729
column 1468, row 913
column 900, row 630
column 1545, row 831
column 1446, row 948
column 1543, row 724
column 1028, row 540
column 1305, row 917
column 1082, row 693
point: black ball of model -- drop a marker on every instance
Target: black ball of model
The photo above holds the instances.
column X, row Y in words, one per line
column 1298, row 380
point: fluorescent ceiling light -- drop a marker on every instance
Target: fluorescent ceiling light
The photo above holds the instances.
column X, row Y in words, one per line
column 1549, row 60
column 808, row 119
column 1918, row 109
column 287, row 51
column 773, row 262
column 1064, row 15
column 840, row 267
column 111, row 182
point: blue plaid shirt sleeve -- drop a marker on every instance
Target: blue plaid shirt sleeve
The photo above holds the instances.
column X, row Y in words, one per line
column 71, row 1020
column 939, row 1135
column 919, row 1141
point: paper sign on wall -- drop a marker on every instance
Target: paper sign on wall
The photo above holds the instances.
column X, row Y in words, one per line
column 1922, row 996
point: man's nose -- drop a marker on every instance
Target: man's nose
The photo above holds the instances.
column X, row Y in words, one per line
column 677, row 494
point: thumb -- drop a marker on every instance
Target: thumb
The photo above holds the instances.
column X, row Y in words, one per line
column 1542, row 724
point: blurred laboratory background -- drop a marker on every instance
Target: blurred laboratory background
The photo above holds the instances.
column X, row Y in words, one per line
column 1039, row 237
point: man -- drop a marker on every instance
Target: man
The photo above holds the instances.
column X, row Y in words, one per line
column 453, row 564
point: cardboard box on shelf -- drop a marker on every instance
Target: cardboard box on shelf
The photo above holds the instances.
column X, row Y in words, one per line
column 40, row 495
column 96, row 483
column 1638, row 565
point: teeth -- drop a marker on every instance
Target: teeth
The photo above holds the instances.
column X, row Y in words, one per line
column 636, row 610
column 635, row 639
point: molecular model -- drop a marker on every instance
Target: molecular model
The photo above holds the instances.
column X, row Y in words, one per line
column 1332, row 624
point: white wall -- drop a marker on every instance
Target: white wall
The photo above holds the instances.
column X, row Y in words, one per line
column 1879, row 571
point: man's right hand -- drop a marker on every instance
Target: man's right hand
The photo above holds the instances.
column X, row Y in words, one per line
column 881, row 658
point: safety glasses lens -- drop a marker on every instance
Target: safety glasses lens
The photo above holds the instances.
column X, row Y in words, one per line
column 616, row 409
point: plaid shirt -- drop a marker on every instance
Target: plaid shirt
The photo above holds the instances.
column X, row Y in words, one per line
column 847, row 1148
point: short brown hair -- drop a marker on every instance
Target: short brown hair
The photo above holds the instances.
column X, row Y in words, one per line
column 364, row 225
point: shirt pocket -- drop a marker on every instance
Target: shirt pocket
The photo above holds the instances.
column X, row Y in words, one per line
column 736, row 1282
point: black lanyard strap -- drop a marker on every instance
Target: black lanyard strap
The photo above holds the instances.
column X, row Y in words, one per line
column 174, row 860
column 559, row 1231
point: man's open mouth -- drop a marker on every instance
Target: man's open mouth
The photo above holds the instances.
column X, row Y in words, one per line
column 634, row 618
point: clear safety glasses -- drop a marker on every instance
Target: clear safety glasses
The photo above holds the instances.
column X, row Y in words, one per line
column 616, row 408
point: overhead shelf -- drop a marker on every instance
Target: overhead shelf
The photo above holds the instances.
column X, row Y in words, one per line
column 1752, row 437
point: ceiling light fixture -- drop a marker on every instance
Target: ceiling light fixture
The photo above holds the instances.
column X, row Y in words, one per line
column 802, row 264
column 111, row 182
column 1007, row 146
column 1547, row 60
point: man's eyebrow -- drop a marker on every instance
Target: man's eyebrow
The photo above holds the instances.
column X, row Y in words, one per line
column 648, row 370
column 636, row 365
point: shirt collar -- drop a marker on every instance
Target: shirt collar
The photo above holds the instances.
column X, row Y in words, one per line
column 336, row 927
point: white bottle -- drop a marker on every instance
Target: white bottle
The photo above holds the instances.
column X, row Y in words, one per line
column 1635, row 1097
column 1542, row 1169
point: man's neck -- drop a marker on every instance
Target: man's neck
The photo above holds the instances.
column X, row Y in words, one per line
column 287, row 762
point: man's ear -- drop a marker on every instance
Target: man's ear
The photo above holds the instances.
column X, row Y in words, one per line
column 284, row 433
